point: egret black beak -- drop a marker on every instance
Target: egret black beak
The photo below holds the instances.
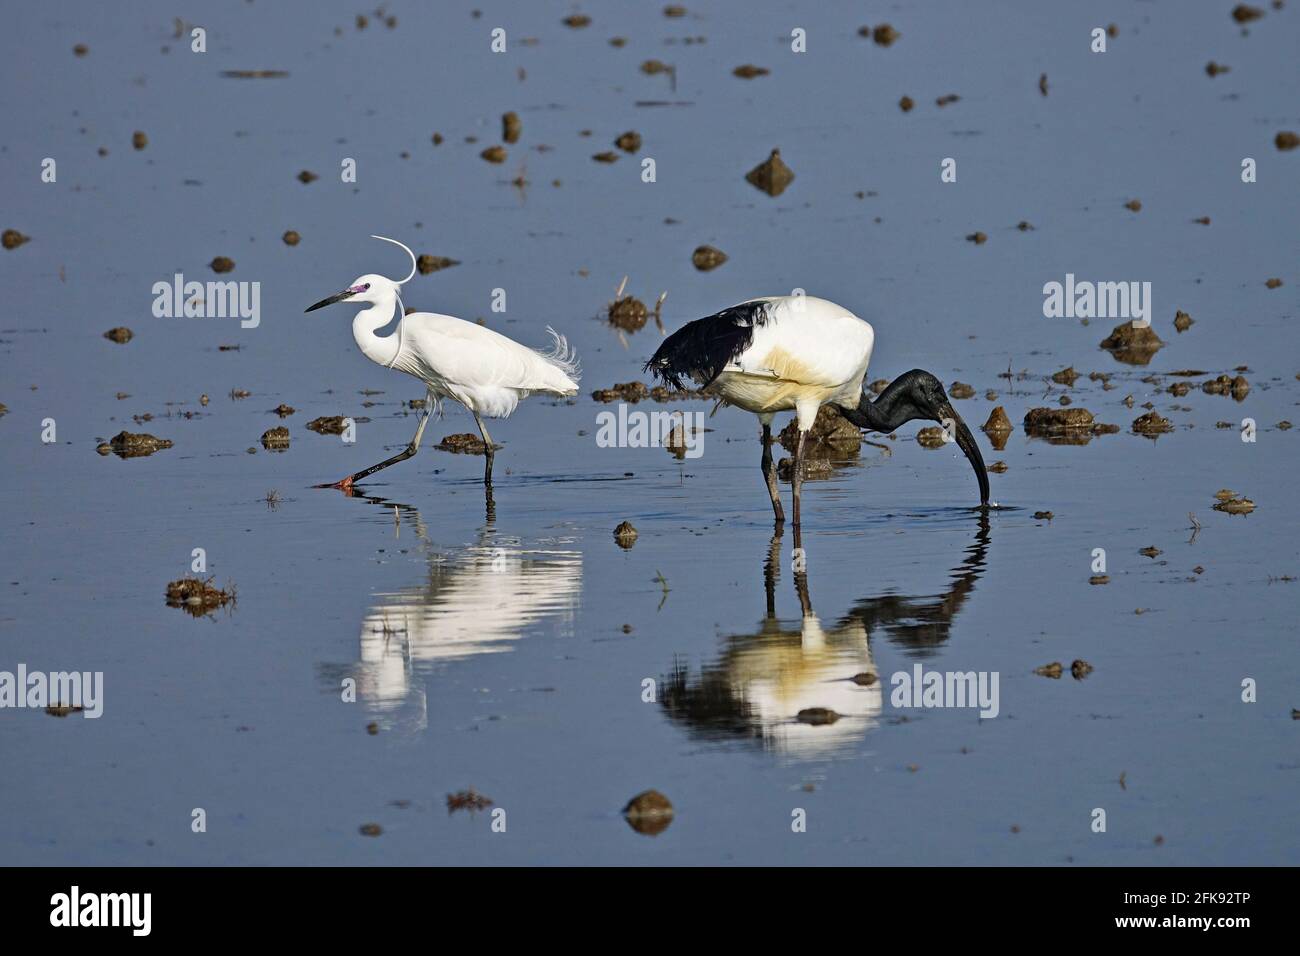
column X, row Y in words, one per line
column 966, row 442
column 330, row 301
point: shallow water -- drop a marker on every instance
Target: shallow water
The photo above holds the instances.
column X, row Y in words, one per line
column 504, row 647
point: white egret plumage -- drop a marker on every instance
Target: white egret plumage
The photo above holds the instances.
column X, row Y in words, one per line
column 481, row 369
column 797, row 353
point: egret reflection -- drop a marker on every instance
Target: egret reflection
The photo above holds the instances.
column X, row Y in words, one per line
column 761, row 682
column 479, row 599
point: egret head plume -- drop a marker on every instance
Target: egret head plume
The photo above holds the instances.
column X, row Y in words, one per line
column 408, row 252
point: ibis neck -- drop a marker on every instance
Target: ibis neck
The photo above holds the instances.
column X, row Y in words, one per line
column 892, row 409
column 381, row 350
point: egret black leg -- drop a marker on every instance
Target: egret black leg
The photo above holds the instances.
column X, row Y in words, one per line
column 769, row 475
column 488, row 448
column 410, row 450
column 796, row 477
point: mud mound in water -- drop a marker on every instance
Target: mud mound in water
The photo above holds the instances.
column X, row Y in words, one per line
column 128, row 445
column 197, row 596
column 464, row 443
column 1132, row 344
column 649, row 813
column 772, row 176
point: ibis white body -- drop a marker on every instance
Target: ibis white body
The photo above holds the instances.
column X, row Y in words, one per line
column 804, row 353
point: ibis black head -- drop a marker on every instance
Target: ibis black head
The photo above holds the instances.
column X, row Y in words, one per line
column 918, row 394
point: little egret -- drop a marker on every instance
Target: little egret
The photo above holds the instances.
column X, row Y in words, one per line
column 483, row 370
column 798, row 353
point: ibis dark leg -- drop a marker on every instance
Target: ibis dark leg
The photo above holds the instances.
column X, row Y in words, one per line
column 408, row 452
column 769, row 474
column 796, row 476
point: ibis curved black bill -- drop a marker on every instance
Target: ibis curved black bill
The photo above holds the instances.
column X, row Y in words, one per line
column 338, row 297
column 966, row 442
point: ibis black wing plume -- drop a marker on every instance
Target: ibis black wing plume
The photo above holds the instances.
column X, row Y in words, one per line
column 700, row 350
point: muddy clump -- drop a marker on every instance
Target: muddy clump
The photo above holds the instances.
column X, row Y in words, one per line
column 814, row 468
column 748, row 71
column 632, row 392
column 932, row 436
column 275, row 439
column 1273, row 284
column 511, row 127
column 662, row 393
column 629, row 142
column 1286, row 140
column 832, row 435
column 470, row 800
column 625, row 535
column 128, row 445
column 998, row 428
column 291, row 237
column 1132, row 344
column 1057, row 421
column 1233, row 504
column 1152, row 424
column 1065, row 376
column 772, row 176
column 958, row 390
column 328, row 425
column 885, row 35
column 1237, row 387
column 628, row 313
column 464, row 443
column 1080, row 669
column 197, row 596
column 12, row 239
column 121, row 335
column 707, row 258
column 649, row 813
column 494, row 154
column 222, row 264
column 1182, row 321
column 427, row 263
column 905, row 104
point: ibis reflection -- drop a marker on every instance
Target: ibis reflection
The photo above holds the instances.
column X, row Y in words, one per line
column 811, row 690
column 479, row 599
